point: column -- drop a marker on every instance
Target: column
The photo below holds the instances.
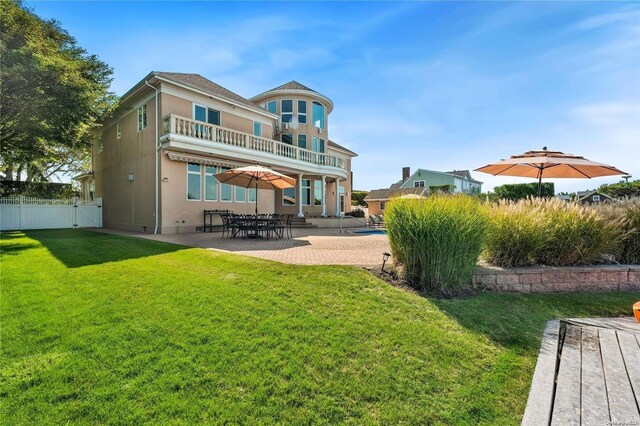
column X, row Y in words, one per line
column 324, row 196
column 337, row 197
column 299, row 200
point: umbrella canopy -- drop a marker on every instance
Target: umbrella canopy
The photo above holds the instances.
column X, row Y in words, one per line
column 549, row 164
column 257, row 177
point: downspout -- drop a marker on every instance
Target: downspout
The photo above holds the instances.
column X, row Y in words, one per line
column 157, row 142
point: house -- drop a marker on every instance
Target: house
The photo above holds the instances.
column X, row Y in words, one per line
column 155, row 159
column 592, row 197
column 377, row 199
column 421, row 183
column 457, row 181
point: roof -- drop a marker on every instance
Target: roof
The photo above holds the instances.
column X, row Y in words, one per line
column 199, row 82
column 293, row 85
column 388, row 193
column 332, row 144
column 454, row 173
column 585, row 194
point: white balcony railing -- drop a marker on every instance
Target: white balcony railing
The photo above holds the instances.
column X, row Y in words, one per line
column 174, row 124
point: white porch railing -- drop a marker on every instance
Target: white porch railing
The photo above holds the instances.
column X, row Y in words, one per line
column 175, row 124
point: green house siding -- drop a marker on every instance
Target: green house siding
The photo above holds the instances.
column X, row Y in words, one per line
column 433, row 178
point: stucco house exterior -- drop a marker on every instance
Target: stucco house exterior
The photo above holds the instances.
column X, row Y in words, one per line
column 155, row 159
column 422, row 182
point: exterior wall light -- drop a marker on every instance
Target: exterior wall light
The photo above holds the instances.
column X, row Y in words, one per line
column 132, row 177
column 385, row 257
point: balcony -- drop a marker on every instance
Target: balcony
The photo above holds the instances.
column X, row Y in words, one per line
column 197, row 136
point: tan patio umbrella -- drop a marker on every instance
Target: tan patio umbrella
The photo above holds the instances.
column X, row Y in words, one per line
column 258, row 177
column 549, row 164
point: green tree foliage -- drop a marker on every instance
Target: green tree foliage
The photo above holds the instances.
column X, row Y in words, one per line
column 621, row 189
column 357, row 198
column 520, row 191
column 52, row 94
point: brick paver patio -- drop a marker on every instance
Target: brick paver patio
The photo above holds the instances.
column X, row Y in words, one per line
column 323, row 246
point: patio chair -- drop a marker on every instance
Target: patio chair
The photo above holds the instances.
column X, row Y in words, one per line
column 381, row 223
column 228, row 224
column 374, row 221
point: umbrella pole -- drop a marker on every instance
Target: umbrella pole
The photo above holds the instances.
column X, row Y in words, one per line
column 539, row 182
column 256, row 197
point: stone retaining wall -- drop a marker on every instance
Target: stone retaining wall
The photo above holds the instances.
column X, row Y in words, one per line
column 559, row 279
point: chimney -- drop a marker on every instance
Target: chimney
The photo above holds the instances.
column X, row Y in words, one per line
column 406, row 172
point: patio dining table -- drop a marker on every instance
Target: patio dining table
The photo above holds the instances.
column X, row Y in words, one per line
column 252, row 226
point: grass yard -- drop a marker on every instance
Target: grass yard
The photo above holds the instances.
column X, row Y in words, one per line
column 105, row 329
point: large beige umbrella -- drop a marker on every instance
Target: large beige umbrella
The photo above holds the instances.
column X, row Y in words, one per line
column 549, row 164
column 256, row 177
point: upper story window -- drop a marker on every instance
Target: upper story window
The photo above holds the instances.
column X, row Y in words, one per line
column 318, row 114
column 302, row 141
column 286, row 110
column 287, row 138
column 142, row 117
column 272, row 106
column 118, row 131
column 418, row 184
column 257, row 128
column 596, row 198
column 302, row 111
column 208, row 115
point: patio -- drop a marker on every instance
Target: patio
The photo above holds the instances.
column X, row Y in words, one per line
column 323, row 246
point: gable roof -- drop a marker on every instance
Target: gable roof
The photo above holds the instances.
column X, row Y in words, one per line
column 586, row 194
column 455, row 173
column 293, row 85
column 388, row 193
column 332, row 144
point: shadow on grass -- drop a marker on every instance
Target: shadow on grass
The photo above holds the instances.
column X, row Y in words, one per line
column 76, row 248
column 518, row 320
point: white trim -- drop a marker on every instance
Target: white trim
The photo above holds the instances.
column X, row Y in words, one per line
column 283, row 112
column 324, row 116
column 254, row 128
column 142, row 107
column 424, row 183
column 310, row 187
column 298, row 113
column 206, row 113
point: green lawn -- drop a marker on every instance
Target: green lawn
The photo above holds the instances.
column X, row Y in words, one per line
column 105, row 329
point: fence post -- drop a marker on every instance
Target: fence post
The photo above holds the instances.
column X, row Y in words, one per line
column 20, row 210
column 74, row 201
column 99, row 207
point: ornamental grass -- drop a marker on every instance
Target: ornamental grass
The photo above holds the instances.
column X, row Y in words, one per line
column 436, row 240
column 627, row 214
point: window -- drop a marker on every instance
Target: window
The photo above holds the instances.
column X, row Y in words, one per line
column 241, row 194
column 210, row 184
column 306, row 192
column 251, row 195
column 317, row 193
column 418, row 184
column 286, row 110
column 142, row 117
column 257, row 128
column 193, row 181
column 302, row 111
column 596, row 198
column 289, row 197
column 317, row 144
column 205, row 114
column 226, row 190
column 302, row 141
column 118, row 131
column 318, row 114
column 100, row 143
column 287, row 138
column 272, row 106
column 383, row 204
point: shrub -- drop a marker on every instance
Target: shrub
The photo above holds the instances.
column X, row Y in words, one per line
column 627, row 213
column 516, row 233
column 436, row 240
column 521, row 191
column 357, row 198
column 355, row 213
column 549, row 232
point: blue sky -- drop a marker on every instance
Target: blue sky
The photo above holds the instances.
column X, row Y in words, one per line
column 437, row 85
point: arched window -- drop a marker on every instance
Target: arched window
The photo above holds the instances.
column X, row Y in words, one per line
column 318, row 115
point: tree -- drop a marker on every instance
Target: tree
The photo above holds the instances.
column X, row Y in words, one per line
column 357, row 198
column 518, row 191
column 52, row 94
column 621, row 189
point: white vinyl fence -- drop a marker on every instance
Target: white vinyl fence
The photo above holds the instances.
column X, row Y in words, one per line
column 20, row 212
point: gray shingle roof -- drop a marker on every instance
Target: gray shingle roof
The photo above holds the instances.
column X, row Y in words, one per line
column 293, row 85
column 388, row 193
column 197, row 81
column 338, row 146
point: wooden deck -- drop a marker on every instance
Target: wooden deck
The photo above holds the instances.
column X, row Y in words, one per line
column 588, row 373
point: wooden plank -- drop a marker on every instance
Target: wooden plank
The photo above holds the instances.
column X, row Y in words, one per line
column 594, row 404
column 566, row 405
column 630, row 349
column 622, row 403
column 540, row 402
column 628, row 324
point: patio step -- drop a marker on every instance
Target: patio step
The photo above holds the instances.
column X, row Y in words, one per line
column 301, row 222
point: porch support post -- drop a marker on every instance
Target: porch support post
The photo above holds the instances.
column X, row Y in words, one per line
column 300, row 212
column 324, row 196
column 337, row 197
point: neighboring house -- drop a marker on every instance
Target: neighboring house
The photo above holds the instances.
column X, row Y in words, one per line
column 155, row 171
column 378, row 198
column 592, row 197
column 422, row 182
column 458, row 181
